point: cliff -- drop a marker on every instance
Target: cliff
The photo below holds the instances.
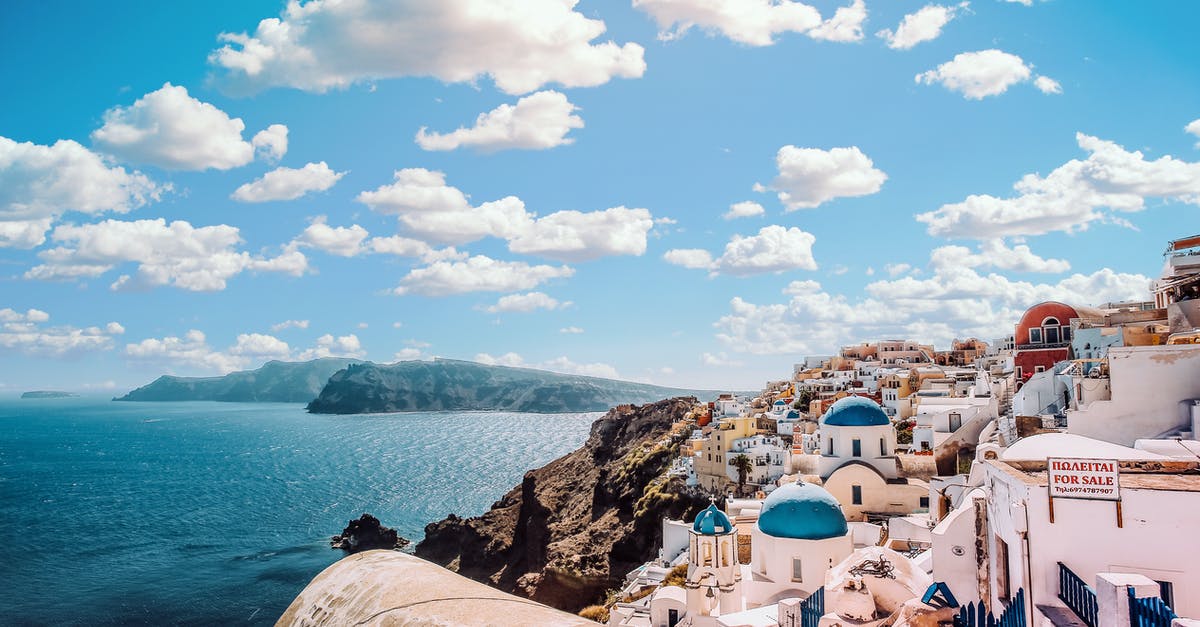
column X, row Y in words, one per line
column 446, row 384
column 275, row 381
column 573, row 528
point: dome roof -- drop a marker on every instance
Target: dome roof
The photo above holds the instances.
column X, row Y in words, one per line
column 803, row 511
column 712, row 522
column 855, row 411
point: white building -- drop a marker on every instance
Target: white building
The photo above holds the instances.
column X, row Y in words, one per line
column 856, row 429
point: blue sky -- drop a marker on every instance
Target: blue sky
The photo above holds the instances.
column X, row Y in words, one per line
column 687, row 192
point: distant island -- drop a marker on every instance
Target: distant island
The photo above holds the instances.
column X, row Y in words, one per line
column 49, row 394
column 274, row 382
column 446, row 384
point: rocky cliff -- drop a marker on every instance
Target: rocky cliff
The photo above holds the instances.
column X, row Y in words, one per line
column 275, row 381
column 573, row 528
column 446, row 384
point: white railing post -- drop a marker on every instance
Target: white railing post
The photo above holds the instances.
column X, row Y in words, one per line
column 1112, row 596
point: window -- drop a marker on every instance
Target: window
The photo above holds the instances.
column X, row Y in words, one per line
column 955, row 422
column 924, row 502
column 1003, row 585
column 672, row 617
column 707, row 554
column 1037, row 369
column 797, row 570
column 883, row 447
column 856, row 494
column 856, row 447
column 1035, row 336
column 1167, row 592
column 831, row 446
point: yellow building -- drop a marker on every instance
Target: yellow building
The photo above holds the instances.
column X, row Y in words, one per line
column 712, row 460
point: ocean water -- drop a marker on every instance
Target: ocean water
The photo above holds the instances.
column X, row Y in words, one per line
column 219, row 513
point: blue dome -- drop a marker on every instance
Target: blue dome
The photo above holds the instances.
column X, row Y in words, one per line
column 712, row 522
column 803, row 511
column 793, row 415
column 855, row 411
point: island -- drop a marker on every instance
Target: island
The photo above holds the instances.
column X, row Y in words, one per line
column 274, row 382
column 453, row 385
column 49, row 394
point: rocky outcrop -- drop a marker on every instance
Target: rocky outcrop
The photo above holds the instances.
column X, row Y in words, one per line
column 366, row 534
column 574, row 527
column 274, row 382
column 447, row 384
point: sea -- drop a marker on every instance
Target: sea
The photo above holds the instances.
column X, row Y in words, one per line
column 206, row 513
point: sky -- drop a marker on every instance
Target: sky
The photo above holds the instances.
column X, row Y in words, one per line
column 694, row 193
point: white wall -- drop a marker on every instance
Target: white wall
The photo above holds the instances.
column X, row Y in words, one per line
column 771, row 562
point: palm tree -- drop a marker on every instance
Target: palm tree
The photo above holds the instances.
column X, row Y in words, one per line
column 743, row 466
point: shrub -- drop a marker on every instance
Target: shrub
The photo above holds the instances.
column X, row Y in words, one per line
column 598, row 613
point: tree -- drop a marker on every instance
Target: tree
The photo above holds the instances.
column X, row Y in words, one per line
column 743, row 466
column 803, row 398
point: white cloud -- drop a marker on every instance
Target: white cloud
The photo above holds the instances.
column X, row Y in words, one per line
column 477, row 274
column 178, row 254
column 260, row 347
column 170, row 129
column 330, row 346
column 408, row 354
column 977, row 75
column 753, row 22
column 845, row 25
column 537, row 122
column 809, row 177
column 1072, row 196
column 924, row 25
column 579, row 236
column 720, row 359
column 39, row 183
column 288, row 183
column 271, row 143
column 1193, row 127
column 26, row 333
column 191, row 350
column 571, row 330
column 322, row 45
column 432, row 210
column 397, row 325
column 774, row 249
column 527, row 302
column 896, row 269
column 558, row 364
column 994, row 253
column 744, row 209
column 289, row 324
column 1047, row 85
column 956, row 301
column 1027, row 3
column 344, row 241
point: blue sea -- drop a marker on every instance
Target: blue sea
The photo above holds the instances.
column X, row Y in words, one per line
column 205, row 513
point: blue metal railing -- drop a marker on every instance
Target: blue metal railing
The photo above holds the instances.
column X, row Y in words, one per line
column 971, row 615
column 1077, row 595
column 812, row 609
column 1149, row 612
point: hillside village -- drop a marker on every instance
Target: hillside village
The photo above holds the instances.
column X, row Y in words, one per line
column 1049, row 477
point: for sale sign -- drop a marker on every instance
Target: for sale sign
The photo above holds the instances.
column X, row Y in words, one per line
column 1072, row 478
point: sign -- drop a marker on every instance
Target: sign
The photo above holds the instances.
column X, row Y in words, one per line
column 1072, row 478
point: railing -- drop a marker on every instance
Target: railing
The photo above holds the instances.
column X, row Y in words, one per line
column 1148, row 612
column 1077, row 595
column 971, row 615
column 812, row 609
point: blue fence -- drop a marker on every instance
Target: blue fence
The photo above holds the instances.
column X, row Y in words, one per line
column 1013, row 616
column 812, row 609
column 1149, row 612
column 1077, row 595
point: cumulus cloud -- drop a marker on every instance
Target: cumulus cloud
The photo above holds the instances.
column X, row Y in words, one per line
column 477, row 274
column 322, row 44
column 558, row 364
column 924, row 25
column 537, row 122
column 744, row 209
column 177, row 254
column 809, row 177
column 170, row 129
column 193, row 353
column 289, row 324
column 430, row 209
column 1072, row 196
column 753, row 22
column 1193, row 127
column 720, row 359
column 39, row 183
column 571, row 330
column 288, row 183
column 330, row 346
column 994, row 253
column 271, row 143
column 955, row 301
column 26, row 333
column 977, row 75
column 344, row 241
column 774, row 249
column 409, row 354
column 1047, row 85
column 525, row 303
column 896, row 269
